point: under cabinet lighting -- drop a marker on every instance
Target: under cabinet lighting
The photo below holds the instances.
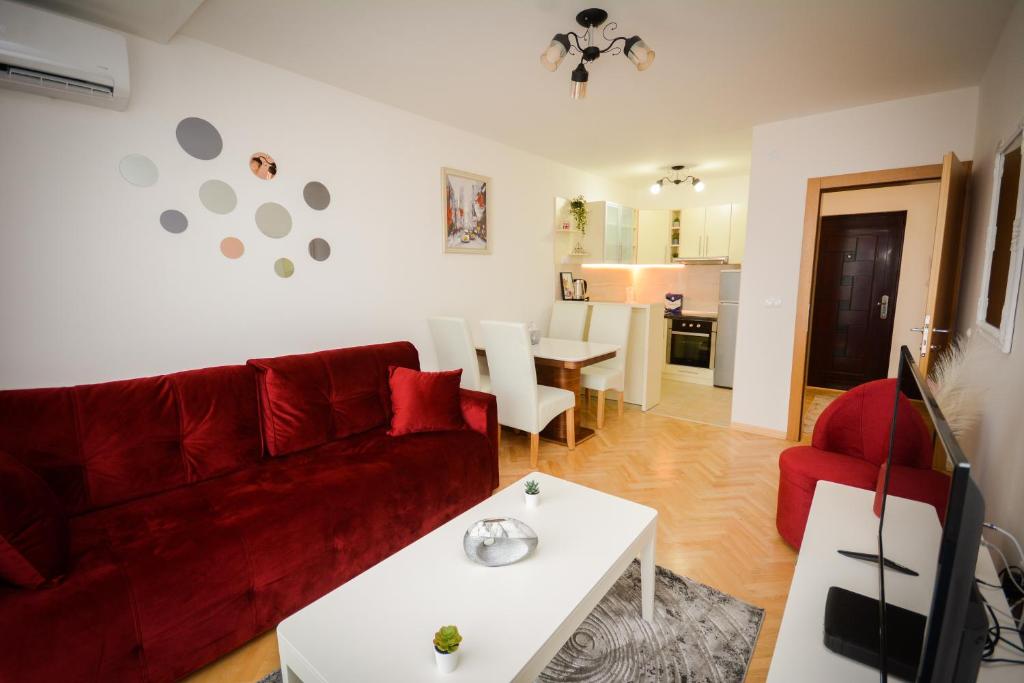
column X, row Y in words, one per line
column 633, row 266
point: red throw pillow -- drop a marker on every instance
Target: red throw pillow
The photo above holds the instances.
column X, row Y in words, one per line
column 33, row 528
column 424, row 401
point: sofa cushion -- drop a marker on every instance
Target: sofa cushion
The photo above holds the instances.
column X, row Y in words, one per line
column 424, row 401
column 33, row 529
column 101, row 444
column 311, row 399
column 805, row 466
column 914, row 483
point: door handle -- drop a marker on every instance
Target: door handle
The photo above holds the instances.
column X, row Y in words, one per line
column 883, row 306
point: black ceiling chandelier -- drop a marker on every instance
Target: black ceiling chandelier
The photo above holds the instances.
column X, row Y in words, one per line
column 673, row 177
column 572, row 43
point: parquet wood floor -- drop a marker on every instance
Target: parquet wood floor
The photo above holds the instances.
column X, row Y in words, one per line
column 714, row 489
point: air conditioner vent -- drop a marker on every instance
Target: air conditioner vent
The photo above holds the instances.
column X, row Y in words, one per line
column 50, row 81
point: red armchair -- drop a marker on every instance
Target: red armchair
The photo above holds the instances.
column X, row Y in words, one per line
column 849, row 446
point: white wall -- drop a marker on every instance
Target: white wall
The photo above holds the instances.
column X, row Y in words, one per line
column 996, row 449
column 91, row 288
column 907, row 132
column 921, row 202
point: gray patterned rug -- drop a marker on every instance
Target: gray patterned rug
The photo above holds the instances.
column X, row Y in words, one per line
column 699, row 635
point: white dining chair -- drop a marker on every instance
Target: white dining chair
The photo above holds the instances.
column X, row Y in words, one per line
column 522, row 403
column 454, row 347
column 609, row 324
column 568, row 320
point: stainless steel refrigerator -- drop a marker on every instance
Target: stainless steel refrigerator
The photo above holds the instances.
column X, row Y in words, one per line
column 728, row 314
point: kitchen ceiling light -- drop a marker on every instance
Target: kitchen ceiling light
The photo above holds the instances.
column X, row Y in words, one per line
column 572, row 43
column 673, row 177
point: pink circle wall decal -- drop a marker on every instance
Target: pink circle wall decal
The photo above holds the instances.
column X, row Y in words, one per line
column 232, row 247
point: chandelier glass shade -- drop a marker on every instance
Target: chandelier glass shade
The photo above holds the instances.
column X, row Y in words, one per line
column 572, row 43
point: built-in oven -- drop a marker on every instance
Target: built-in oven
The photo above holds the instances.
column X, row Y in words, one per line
column 691, row 342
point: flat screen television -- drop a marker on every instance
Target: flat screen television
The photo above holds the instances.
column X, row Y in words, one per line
column 946, row 645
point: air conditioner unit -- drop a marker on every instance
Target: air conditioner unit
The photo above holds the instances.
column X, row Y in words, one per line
column 49, row 54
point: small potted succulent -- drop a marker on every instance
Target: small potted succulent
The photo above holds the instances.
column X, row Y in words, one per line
column 446, row 648
column 532, row 494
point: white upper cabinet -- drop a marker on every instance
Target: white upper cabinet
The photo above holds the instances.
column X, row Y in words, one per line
column 716, row 231
column 654, row 236
column 691, row 232
column 616, row 225
column 737, row 233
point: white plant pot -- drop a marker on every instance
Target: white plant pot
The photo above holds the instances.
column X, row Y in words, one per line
column 446, row 662
column 532, row 500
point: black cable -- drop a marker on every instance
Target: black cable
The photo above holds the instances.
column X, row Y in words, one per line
column 992, row 639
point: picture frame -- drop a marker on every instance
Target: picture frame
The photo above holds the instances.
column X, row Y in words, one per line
column 566, row 279
column 465, row 212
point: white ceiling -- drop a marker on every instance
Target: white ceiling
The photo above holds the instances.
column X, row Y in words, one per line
column 154, row 19
column 722, row 66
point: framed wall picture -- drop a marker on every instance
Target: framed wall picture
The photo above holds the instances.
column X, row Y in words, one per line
column 465, row 222
column 566, row 286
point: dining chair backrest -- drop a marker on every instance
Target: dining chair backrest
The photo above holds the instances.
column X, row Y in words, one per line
column 454, row 346
column 513, row 374
column 609, row 324
column 568, row 320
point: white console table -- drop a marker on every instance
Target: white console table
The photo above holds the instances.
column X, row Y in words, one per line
column 842, row 518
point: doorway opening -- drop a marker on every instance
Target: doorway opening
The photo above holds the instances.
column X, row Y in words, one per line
column 880, row 269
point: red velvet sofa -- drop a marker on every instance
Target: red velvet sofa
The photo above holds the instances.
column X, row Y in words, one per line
column 849, row 446
column 205, row 506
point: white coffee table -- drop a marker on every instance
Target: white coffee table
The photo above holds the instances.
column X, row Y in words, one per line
column 379, row 626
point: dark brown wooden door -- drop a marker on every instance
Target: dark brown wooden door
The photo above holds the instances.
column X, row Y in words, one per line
column 855, row 285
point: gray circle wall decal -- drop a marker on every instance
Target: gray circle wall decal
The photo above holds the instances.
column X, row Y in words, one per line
column 263, row 166
column 273, row 220
column 217, row 196
column 319, row 249
column 199, row 138
column 284, row 267
column 138, row 169
column 173, row 221
column 316, row 195
column 232, row 247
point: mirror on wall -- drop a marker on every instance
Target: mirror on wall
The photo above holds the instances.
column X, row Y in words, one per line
column 997, row 305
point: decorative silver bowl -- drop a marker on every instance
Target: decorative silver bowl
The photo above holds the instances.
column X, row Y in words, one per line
column 499, row 541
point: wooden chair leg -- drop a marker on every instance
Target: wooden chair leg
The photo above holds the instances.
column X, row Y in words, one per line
column 570, row 428
column 621, row 402
column 600, row 409
column 534, row 449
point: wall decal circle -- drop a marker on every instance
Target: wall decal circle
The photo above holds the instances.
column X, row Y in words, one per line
column 173, row 221
column 263, row 166
column 199, row 138
column 232, row 247
column 317, row 195
column 138, row 169
column 273, row 220
column 217, row 196
column 284, row 267
column 319, row 249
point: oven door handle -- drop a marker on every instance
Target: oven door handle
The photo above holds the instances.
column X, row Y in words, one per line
column 693, row 334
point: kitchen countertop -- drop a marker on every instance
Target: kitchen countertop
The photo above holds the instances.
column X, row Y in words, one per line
column 692, row 313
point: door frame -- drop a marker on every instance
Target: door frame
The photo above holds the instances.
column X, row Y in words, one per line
column 809, row 265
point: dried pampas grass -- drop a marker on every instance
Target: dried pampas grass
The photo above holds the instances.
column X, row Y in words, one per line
column 957, row 382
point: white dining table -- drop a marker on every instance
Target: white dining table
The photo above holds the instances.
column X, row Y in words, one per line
column 558, row 363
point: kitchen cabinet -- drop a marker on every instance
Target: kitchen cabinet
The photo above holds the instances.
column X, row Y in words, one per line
column 716, row 231
column 691, row 232
column 654, row 236
column 616, row 226
column 737, row 233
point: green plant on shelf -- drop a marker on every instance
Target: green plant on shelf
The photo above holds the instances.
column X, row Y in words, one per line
column 578, row 210
column 447, row 639
column 532, row 488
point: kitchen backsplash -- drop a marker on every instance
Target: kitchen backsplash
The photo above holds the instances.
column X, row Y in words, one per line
column 698, row 283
